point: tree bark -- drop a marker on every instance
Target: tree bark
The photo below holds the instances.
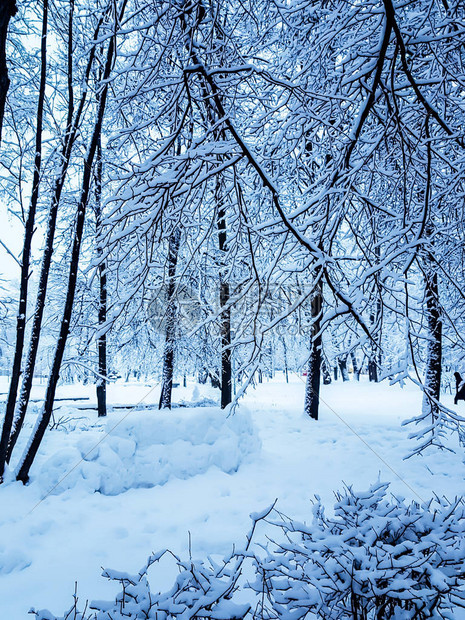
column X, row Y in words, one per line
column 374, row 359
column 226, row 361
column 26, row 257
column 326, row 372
column 355, row 365
column 312, row 387
column 432, row 388
column 286, row 370
column 342, row 362
column 101, row 386
column 171, row 311
column 8, row 9
column 44, row 417
column 434, row 348
column 372, row 370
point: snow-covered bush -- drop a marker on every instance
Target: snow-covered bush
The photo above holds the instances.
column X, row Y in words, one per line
column 375, row 559
column 200, row 591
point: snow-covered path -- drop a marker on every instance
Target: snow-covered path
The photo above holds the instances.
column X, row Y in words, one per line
column 69, row 536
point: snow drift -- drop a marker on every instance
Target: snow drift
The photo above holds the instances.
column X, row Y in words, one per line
column 148, row 448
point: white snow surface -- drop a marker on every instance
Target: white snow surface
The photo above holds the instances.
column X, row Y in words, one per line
column 143, row 449
column 106, row 494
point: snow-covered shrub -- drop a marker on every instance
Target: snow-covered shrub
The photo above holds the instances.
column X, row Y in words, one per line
column 375, row 559
column 201, row 591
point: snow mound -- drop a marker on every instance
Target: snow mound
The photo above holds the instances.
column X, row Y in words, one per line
column 12, row 560
column 148, row 448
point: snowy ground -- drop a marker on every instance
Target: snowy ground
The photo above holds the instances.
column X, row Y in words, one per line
column 158, row 479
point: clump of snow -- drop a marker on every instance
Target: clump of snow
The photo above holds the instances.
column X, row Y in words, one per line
column 148, row 448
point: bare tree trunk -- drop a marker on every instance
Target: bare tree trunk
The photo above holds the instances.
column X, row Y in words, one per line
column 326, row 372
column 171, row 311
column 203, row 373
column 286, row 370
column 213, row 111
column 226, row 366
column 372, row 365
column 44, row 417
column 432, row 389
column 434, row 347
column 26, row 258
column 226, row 362
column 355, row 365
column 342, row 362
column 374, row 359
column 8, row 9
column 72, row 128
column 312, row 387
column 101, row 386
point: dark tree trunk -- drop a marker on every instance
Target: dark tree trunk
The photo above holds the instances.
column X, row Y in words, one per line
column 355, row 365
column 335, row 372
column 326, row 372
column 226, row 361
column 70, row 136
column 26, row 257
column 434, row 347
column 213, row 111
column 8, row 10
column 372, row 370
column 214, row 380
column 374, row 360
column 226, row 366
column 312, row 387
column 171, row 311
column 270, row 355
column 28, row 458
column 432, row 389
column 342, row 362
column 286, row 370
column 101, row 386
